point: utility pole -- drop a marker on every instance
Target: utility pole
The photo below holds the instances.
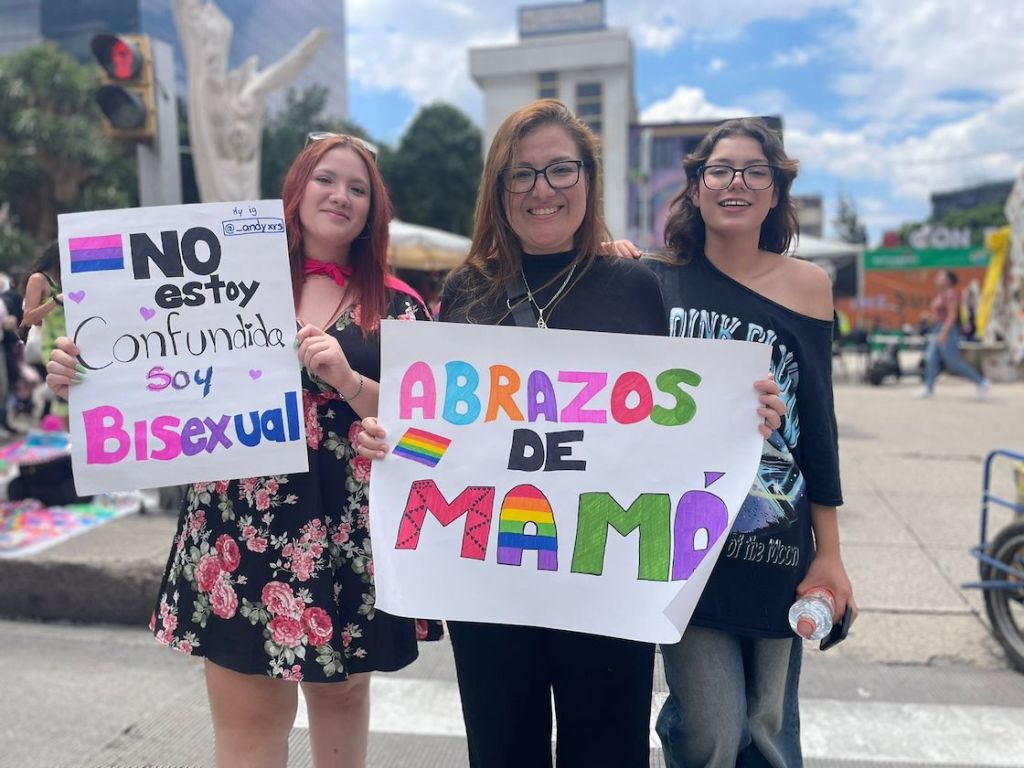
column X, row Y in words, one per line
column 160, row 161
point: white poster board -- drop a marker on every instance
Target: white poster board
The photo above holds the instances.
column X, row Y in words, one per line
column 565, row 479
column 186, row 325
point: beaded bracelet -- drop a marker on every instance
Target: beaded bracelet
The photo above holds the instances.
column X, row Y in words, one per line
column 358, row 391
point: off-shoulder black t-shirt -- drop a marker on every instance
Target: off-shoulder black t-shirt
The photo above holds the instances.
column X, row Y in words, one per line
column 771, row 544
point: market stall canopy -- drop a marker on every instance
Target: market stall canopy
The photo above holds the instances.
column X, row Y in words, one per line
column 813, row 248
column 413, row 246
column 840, row 260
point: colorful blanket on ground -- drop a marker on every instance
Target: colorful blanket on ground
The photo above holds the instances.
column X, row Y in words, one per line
column 27, row 526
column 36, row 448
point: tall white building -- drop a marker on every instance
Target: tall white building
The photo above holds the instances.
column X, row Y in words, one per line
column 566, row 52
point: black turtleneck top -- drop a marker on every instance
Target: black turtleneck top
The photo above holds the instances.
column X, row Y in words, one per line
column 613, row 295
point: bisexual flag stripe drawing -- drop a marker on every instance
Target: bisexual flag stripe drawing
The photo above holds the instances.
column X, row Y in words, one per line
column 422, row 446
column 102, row 253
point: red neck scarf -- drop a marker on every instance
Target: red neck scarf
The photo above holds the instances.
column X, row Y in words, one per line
column 341, row 275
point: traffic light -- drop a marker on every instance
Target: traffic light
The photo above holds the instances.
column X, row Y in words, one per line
column 127, row 91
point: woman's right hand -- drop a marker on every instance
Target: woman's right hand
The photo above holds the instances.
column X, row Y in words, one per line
column 63, row 369
column 624, row 249
column 372, row 443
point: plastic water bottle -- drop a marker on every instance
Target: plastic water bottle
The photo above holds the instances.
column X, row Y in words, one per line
column 811, row 615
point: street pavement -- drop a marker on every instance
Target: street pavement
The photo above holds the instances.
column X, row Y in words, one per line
column 920, row 681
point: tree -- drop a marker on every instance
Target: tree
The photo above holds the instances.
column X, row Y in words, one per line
column 284, row 134
column 977, row 219
column 54, row 157
column 434, row 174
column 17, row 248
column 848, row 227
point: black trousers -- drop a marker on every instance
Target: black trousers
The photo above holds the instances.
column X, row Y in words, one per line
column 602, row 693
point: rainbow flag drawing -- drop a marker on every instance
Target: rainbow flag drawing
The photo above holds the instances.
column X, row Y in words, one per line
column 422, row 446
column 103, row 253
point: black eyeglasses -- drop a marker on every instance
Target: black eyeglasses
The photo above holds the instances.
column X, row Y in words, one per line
column 756, row 177
column 321, row 135
column 559, row 175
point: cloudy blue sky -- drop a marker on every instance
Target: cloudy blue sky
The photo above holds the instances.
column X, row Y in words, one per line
column 886, row 100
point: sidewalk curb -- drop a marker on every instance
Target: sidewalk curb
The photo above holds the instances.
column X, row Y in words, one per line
column 122, row 592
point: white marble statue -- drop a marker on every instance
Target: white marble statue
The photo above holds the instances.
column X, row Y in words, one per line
column 225, row 115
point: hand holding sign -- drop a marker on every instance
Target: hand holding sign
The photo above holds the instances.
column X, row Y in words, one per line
column 372, row 440
column 62, row 370
column 321, row 355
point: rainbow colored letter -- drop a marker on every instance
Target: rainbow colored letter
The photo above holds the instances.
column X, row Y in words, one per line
column 526, row 504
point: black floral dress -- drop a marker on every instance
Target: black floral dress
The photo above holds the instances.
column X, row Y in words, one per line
column 274, row 575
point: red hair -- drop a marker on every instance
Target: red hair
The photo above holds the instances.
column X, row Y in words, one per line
column 368, row 253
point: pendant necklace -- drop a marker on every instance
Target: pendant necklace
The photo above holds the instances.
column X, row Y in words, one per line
column 541, row 310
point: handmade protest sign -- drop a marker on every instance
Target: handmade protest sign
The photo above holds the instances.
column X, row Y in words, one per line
column 185, row 321
column 565, row 479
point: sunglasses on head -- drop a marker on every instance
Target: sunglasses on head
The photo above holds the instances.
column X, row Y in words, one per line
column 321, row 135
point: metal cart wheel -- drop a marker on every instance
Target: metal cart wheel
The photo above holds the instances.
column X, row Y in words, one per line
column 1005, row 604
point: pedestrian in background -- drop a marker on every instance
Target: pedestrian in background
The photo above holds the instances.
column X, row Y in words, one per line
column 733, row 678
column 42, row 321
column 271, row 578
column 944, row 339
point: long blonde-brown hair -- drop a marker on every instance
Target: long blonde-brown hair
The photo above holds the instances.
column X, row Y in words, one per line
column 496, row 253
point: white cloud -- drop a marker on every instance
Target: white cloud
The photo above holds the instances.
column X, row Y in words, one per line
column 982, row 147
column 797, row 57
column 717, row 65
column 687, row 103
column 421, row 49
column 975, row 149
column 656, row 37
column 914, row 61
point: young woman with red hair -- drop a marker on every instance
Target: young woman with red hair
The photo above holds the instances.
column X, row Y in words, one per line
column 270, row 579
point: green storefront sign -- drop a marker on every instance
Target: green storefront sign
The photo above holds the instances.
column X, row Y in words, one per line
column 937, row 258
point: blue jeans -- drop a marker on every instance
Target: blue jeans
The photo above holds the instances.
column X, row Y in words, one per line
column 733, row 701
column 949, row 353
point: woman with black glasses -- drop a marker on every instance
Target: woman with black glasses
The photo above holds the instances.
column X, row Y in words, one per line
column 733, row 677
column 539, row 259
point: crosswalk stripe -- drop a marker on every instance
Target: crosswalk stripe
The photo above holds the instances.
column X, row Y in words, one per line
column 867, row 732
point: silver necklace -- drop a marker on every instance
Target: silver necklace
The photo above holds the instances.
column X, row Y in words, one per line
column 541, row 310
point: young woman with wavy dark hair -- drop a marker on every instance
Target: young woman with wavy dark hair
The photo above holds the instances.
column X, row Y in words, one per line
column 270, row 579
column 725, row 275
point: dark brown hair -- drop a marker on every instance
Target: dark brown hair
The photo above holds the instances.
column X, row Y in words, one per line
column 684, row 231
column 368, row 253
column 496, row 253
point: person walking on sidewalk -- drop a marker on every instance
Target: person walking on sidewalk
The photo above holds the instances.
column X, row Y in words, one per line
column 944, row 340
column 733, row 677
column 271, row 578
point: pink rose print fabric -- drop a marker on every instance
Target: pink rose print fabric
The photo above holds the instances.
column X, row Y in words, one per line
column 274, row 575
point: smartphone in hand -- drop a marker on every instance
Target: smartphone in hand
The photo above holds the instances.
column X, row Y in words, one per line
column 839, row 630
